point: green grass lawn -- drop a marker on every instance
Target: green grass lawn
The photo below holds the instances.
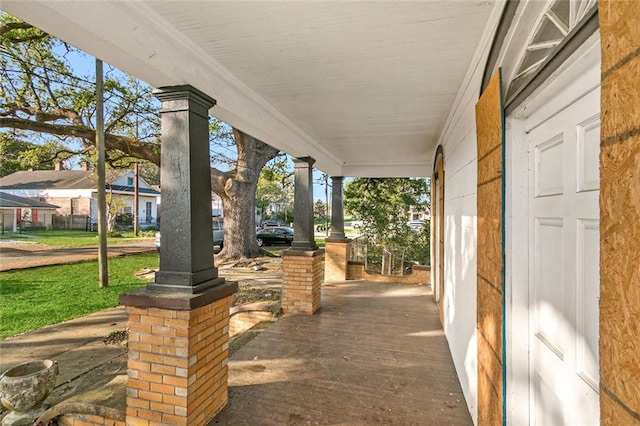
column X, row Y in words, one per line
column 77, row 238
column 33, row 298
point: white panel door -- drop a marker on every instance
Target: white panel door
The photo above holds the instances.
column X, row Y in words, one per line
column 563, row 263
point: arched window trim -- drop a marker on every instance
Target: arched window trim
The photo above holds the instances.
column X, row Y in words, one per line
column 513, row 22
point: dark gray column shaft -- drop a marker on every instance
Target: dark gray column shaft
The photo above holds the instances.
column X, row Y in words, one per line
column 337, row 213
column 186, row 252
column 304, row 237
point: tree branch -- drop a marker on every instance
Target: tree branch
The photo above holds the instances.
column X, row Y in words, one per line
column 130, row 146
column 10, row 26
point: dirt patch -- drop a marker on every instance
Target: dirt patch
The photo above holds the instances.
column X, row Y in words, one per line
column 8, row 246
column 117, row 337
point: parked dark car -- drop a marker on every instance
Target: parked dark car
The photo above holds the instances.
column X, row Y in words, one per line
column 217, row 226
column 275, row 235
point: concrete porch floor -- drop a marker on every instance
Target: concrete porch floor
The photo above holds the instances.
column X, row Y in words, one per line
column 374, row 354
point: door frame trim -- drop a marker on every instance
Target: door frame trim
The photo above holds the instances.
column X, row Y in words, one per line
column 517, row 232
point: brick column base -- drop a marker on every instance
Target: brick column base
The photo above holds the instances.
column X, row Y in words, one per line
column 178, row 354
column 302, row 276
column 336, row 259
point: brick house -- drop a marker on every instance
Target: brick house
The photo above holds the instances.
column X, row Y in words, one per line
column 75, row 194
column 17, row 212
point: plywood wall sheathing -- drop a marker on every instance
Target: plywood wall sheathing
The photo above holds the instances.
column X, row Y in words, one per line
column 620, row 213
column 490, row 253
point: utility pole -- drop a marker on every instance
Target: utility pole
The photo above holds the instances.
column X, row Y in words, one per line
column 102, row 198
column 136, row 192
column 136, row 201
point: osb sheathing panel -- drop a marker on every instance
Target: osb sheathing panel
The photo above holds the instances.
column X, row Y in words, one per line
column 489, row 363
column 620, row 213
column 490, row 232
column 620, row 271
column 620, row 98
column 489, row 281
column 490, row 167
column 619, row 30
column 490, row 314
column 612, row 413
column 489, row 118
column 489, row 401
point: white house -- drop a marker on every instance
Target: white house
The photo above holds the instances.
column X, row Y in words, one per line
column 75, row 192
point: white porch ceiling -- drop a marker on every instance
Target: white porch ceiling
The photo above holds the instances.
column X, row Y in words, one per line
column 365, row 87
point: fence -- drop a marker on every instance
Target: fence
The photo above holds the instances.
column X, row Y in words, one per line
column 393, row 260
column 386, row 260
column 76, row 222
column 359, row 248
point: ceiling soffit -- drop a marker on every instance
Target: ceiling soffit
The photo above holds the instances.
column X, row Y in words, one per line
column 371, row 98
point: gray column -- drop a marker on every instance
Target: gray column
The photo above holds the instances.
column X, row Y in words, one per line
column 304, row 237
column 186, row 241
column 337, row 214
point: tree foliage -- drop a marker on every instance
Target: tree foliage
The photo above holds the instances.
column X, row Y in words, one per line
column 320, row 210
column 275, row 186
column 39, row 93
column 17, row 154
column 383, row 206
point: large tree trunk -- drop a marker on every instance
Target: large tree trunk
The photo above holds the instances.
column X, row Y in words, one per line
column 237, row 189
column 239, row 221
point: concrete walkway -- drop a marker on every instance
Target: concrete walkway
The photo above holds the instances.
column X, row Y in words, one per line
column 374, row 354
column 89, row 370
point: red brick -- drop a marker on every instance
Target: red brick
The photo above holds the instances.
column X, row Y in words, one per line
column 152, row 339
column 149, row 415
column 151, row 396
column 140, row 346
column 151, row 320
column 137, row 384
column 162, row 313
column 176, row 323
column 175, row 400
column 137, row 403
column 176, row 361
column 136, row 421
column 163, row 408
column 137, row 327
column 173, row 419
column 174, row 381
column 138, row 365
column 162, row 330
column 162, row 388
column 151, row 377
column 164, row 369
column 132, row 310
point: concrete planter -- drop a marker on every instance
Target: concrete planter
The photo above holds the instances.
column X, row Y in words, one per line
column 24, row 387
